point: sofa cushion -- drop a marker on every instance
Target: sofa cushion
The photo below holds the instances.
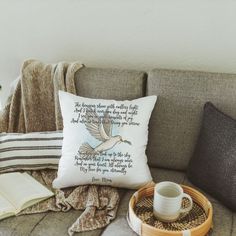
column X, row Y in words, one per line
column 57, row 223
column 223, row 218
column 110, row 83
column 20, row 225
column 159, row 175
column 213, row 164
column 234, row 225
column 50, row 223
column 119, row 227
column 176, row 119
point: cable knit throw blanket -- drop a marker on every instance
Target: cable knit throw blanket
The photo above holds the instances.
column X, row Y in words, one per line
column 34, row 106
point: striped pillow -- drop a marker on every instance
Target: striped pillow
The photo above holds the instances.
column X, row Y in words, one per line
column 31, row 151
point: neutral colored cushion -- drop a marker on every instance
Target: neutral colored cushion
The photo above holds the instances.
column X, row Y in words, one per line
column 176, row 119
column 213, row 165
column 110, row 83
column 224, row 222
column 119, row 227
column 49, row 223
column 104, row 142
column 234, row 225
column 31, row 151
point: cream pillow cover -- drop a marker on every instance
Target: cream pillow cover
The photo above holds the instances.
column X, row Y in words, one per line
column 104, row 142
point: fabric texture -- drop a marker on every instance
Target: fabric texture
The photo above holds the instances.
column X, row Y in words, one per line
column 34, row 107
column 103, row 83
column 176, row 119
column 55, row 223
column 30, row 151
column 213, row 165
column 104, row 142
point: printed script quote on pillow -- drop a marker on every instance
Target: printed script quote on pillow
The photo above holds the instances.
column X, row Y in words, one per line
column 104, row 141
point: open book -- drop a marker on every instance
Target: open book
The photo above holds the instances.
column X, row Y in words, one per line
column 18, row 191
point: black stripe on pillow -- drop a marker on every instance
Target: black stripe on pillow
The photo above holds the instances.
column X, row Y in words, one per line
column 29, row 157
column 29, row 148
column 31, row 139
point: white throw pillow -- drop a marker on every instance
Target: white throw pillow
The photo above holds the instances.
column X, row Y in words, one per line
column 104, row 142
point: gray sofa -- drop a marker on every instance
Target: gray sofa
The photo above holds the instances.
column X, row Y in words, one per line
column 173, row 133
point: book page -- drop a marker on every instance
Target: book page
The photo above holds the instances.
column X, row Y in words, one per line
column 20, row 188
column 6, row 209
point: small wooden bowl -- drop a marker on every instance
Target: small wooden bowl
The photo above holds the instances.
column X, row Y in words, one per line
column 144, row 229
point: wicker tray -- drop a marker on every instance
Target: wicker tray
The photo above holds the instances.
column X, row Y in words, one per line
column 196, row 223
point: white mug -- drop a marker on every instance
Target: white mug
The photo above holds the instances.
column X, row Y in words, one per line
column 167, row 204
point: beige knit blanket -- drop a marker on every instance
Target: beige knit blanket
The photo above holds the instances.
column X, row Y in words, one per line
column 34, row 106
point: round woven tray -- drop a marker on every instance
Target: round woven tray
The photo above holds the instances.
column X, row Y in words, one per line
column 195, row 223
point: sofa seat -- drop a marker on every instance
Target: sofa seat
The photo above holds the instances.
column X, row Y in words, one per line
column 224, row 220
column 52, row 223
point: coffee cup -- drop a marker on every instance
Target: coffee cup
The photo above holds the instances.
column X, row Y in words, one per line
column 167, row 203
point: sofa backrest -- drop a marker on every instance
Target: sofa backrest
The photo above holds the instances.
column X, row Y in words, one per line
column 176, row 119
column 110, row 83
